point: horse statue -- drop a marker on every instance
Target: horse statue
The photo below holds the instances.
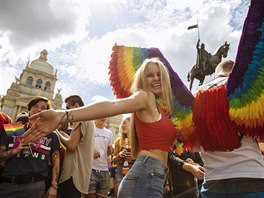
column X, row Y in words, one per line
column 211, row 63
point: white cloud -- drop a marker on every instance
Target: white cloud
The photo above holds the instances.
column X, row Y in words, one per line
column 79, row 35
column 33, row 25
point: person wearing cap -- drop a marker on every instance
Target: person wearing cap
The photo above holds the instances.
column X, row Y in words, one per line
column 27, row 166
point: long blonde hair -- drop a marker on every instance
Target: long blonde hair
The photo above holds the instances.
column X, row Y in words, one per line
column 121, row 134
column 139, row 83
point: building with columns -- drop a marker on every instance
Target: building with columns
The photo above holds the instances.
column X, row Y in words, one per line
column 37, row 79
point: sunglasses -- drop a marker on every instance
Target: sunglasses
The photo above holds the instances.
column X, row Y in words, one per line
column 68, row 107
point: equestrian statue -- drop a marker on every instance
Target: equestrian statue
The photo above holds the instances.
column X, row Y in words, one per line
column 206, row 62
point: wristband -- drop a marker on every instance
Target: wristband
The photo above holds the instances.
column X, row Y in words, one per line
column 181, row 163
column 69, row 117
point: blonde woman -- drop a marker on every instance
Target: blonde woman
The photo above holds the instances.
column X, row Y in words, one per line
column 152, row 131
column 122, row 152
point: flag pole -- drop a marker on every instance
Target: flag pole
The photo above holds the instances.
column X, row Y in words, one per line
column 198, row 29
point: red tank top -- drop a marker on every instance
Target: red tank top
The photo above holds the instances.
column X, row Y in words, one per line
column 155, row 135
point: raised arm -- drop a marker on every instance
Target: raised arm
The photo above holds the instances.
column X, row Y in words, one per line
column 49, row 120
column 71, row 142
column 198, row 44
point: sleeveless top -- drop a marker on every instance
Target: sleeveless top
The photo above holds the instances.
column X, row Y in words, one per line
column 155, row 135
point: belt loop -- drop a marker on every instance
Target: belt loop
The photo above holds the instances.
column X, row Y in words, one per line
column 13, row 179
column 145, row 159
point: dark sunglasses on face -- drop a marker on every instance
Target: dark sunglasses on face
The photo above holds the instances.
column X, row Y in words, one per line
column 68, row 107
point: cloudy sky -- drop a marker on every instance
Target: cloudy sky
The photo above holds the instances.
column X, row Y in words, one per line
column 79, row 36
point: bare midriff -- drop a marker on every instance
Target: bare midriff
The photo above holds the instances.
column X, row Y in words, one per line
column 158, row 154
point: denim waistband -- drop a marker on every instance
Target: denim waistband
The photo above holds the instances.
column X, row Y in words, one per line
column 151, row 161
column 235, row 185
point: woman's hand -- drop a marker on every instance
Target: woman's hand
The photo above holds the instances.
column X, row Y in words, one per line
column 43, row 123
column 122, row 153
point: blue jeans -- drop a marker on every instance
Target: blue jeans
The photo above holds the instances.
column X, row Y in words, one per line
column 233, row 188
column 145, row 179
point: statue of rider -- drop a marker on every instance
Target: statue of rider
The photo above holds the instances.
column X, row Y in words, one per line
column 202, row 57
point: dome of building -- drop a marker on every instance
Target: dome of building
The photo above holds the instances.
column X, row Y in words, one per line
column 41, row 63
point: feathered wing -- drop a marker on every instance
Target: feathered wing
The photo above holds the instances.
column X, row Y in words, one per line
column 239, row 104
column 124, row 63
column 245, row 86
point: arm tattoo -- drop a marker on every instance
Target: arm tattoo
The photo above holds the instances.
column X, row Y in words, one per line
column 55, row 166
column 4, row 155
column 54, row 155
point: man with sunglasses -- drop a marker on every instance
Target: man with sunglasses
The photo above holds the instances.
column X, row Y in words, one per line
column 77, row 163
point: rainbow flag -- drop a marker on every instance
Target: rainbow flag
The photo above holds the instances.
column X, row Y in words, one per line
column 14, row 129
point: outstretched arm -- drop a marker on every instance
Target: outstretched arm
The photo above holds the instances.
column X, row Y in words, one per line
column 188, row 165
column 195, row 169
column 49, row 120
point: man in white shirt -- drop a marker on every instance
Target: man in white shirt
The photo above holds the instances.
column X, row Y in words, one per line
column 237, row 173
column 100, row 178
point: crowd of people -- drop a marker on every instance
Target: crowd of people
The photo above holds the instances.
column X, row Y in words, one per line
column 71, row 154
column 47, row 161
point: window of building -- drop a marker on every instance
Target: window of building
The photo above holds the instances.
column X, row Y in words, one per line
column 39, row 83
column 47, row 86
column 30, row 80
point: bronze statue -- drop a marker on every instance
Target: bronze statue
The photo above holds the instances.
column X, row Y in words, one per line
column 202, row 57
column 43, row 55
column 206, row 63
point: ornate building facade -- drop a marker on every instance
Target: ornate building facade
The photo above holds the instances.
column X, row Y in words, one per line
column 37, row 79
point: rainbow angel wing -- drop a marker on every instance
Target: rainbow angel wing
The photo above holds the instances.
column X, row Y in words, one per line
column 124, row 63
column 245, row 86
